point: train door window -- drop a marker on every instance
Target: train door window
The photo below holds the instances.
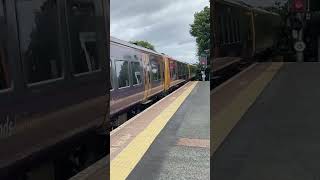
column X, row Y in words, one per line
column 39, row 42
column 4, row 74
column 84, row 20
column 226, row 31
column 162, row 70
column 231, row 29
column 136, row 73
column 172, row 70
column 178, row 69
column 235, row 32
column 122, row 71
column 222, row 32
column 155, row 69
column 182, row 69
column 238, row 27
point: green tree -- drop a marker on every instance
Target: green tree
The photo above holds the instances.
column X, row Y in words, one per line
column 144, row 44
column 200, row 29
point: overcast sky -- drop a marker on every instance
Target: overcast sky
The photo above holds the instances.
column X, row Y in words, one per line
column 164, row 23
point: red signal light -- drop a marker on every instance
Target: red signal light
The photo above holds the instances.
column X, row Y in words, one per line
column 298, row 5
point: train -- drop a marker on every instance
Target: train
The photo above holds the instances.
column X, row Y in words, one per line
column 53, row 102
column 242, row 30
column 138, row 75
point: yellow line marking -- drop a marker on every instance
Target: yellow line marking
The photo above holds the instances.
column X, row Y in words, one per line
column 222, row 123
column 124, row 163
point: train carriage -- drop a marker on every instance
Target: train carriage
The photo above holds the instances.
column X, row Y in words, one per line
column 242, row 30
column 138, row 75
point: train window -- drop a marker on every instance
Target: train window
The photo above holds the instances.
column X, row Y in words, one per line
column 2, row 10
column 39, row 44
column 84, row 22
column 4, row 75
column 136, row 73
column 122, row 71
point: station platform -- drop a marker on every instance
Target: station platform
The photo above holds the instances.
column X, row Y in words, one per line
column 169, row 140
column 265, row 124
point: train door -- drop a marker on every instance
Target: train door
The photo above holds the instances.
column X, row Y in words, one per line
column 166, row 74
column 156, row 78
column 250, row 36
column 147, row 74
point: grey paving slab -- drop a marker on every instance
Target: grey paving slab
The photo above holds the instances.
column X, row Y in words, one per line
column 279, row 136
column 164, row 159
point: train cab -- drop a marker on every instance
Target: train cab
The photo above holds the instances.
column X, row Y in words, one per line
column 52, row 86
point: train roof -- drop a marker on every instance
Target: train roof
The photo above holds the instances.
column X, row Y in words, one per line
column 125, row 43
column 248, row 4
column 235, row 3
column 119, row 41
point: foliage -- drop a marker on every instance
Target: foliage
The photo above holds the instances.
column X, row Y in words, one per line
column 283, row 32
column 200, row 29
column 279, row 8
column 144, row 44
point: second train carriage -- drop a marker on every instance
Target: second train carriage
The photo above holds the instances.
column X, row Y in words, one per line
column 138, row 74
column 242, row 30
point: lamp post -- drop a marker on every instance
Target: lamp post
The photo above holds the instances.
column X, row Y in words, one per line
column 204, row 63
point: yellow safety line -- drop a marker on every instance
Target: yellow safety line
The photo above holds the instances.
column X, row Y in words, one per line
column 223, row 123
column 124, row 163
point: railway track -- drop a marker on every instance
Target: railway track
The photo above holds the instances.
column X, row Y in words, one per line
column 222, row 75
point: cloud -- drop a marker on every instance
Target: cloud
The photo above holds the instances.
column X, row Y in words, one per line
column 165, row 23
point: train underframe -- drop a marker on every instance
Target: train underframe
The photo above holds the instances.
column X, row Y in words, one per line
column 121, row 117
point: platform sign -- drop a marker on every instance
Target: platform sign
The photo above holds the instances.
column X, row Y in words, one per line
column 203, row 60
column 298, row 5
